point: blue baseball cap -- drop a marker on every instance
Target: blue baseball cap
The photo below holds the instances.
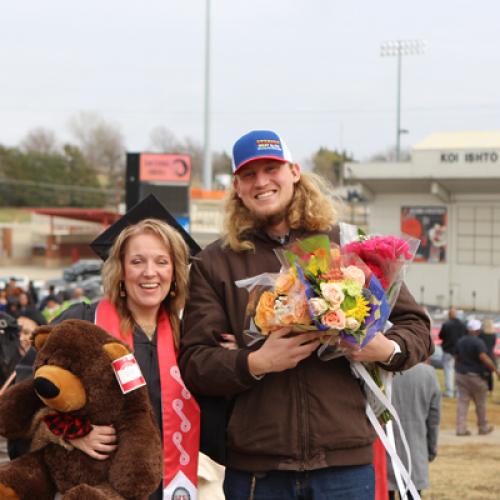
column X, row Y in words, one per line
column 258, row 145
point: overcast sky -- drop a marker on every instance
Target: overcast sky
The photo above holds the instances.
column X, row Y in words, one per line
column 310, row 69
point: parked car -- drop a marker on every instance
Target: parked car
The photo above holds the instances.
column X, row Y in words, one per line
column 92, row 287
column 82, row 270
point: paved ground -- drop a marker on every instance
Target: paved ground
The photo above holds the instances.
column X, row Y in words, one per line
column 448, row 437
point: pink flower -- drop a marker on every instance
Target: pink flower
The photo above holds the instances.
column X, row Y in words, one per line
column 334, row 319
column 332, row 293
column 355, row 274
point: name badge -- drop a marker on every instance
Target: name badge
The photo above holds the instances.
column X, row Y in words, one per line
column 128, row 373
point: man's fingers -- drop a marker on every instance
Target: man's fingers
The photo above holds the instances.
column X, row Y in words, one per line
column 306, row 338
column 304, row 350
column 281, row 332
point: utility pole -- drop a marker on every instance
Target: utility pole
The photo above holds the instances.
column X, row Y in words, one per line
column 401, row 48
column 207, row 154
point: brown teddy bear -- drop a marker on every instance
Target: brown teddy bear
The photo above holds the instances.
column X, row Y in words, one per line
column 74, row 382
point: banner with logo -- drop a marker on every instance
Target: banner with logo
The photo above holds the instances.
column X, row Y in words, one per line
column 430, row 225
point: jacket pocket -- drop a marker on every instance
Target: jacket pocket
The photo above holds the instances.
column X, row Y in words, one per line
column 264, row 420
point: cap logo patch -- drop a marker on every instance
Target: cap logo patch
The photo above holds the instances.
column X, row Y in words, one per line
column 267, row 144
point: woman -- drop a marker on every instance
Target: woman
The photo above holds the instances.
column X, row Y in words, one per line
column 145, row 286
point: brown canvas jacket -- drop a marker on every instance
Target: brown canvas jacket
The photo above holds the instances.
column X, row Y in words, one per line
column 305, row 418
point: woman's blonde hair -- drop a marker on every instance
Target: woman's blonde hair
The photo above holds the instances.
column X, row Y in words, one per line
column 313, row 208
column 113, row 272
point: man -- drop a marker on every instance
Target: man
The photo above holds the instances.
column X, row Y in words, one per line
column 297, row 426
column 416, row 395
column 450, row 333
column 471, row 362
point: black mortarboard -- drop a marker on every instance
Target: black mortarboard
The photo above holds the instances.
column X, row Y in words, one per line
column 149, row 208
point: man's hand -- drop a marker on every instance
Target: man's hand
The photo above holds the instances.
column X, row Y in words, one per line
column 279, row 352
column 379, row 349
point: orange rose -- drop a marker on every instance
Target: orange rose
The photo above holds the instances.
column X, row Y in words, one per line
column 303, row 317
column 265, row 316
column 285, row 282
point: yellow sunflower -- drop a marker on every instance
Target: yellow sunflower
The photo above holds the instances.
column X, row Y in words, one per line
column 360, row 311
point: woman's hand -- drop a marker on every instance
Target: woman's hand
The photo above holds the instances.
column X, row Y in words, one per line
column 99, row 443
column 280, row 352
column 229, row 341
column 379, row 349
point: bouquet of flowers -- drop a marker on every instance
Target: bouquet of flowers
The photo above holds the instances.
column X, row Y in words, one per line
column 319, row 288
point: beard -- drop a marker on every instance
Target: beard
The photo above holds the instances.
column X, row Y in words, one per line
column 269, row 220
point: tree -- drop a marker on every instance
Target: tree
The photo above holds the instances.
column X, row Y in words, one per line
column 163, row 140
column 330, row 164
column 55, row 179
column 101, row 143
column 39, row 140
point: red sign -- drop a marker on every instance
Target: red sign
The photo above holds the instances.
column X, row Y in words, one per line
column 165, row 167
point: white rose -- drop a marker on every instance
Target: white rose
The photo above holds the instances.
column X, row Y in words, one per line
column 318, row 306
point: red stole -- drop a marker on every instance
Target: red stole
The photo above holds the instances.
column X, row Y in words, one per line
column 180, row 412
column 380, row 466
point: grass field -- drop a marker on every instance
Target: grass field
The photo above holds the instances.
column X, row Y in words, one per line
column 10, row 215
column 468, row 468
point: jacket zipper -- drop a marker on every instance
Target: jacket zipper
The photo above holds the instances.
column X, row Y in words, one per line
column 302, row 418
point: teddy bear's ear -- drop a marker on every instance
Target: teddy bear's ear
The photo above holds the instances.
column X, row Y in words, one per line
column 40, row 336
column 115, row 350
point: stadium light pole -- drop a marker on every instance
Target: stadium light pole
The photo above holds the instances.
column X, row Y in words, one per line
column 207, row 153
column 401, row 48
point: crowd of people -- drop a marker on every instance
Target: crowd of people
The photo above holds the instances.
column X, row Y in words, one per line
column 284, row 423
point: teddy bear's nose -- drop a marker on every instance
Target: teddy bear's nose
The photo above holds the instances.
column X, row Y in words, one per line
column 46, row 388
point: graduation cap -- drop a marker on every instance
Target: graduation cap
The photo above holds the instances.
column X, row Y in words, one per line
column 149, row 208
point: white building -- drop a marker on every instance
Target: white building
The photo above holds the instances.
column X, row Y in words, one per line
column 449, row 196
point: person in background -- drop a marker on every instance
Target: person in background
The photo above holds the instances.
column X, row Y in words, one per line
column 416, row 396
column 488, row 336
column 43, row 302
column 451, row 331
column 33, row 294
column 27, row 308
column 51, row 308
column 297, row 425
column 471, row 362
column 28, row 326
column 13, row 305
column 12, row 289
column 3, row 300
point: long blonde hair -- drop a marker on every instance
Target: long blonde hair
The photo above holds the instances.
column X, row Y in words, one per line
column 113, row 271
column 313, row 208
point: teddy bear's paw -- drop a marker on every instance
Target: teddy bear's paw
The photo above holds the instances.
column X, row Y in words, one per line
column 7, row 493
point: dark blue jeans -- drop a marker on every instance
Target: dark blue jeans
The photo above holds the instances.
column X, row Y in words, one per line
column 345, row 483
